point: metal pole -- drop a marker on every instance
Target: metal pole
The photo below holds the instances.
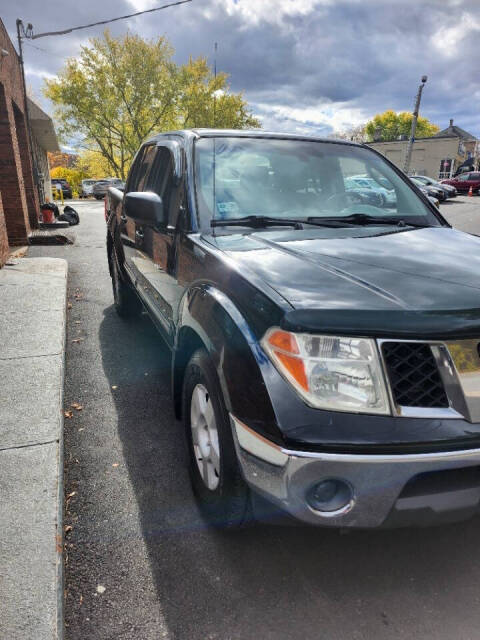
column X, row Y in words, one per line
column 215, row 92
column 408, row 154
column 27, row 116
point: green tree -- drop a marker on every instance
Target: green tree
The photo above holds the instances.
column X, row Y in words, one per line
column 390, row 125
column 355, row 134
column 121, row 90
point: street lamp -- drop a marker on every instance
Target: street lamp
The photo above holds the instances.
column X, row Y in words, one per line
column 408, row 154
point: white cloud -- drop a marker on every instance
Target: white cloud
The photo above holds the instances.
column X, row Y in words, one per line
column 254, row 11
column 332, row 116
column 447, row 38
column 250, row 11
column 141, row 5
column 38, row 73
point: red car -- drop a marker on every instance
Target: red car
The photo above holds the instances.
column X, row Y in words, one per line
column 464, row 181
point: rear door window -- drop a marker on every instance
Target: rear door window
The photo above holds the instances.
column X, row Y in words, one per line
column 145, row 167
column 160, row 178
column 141, row 167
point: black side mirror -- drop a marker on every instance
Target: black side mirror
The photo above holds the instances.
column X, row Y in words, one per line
column 145, row 207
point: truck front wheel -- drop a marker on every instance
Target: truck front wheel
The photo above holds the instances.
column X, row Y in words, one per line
column 126, row 302
column 214, row 471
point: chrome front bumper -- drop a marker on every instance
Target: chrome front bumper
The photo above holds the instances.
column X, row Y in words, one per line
column 284, row 477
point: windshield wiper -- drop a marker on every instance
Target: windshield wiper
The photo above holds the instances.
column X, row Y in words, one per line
column 257, row 222
column 365, row 219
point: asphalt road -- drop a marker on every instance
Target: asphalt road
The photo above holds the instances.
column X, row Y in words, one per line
column 140, row 563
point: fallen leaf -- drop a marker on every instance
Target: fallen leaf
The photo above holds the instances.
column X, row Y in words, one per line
column 77, row 406
column 78, row 340
column 81, row 429
column 78, row 322
column 101, row 589
column 81, row 599
column 67, row 413
column 69, row 305
column 18, row 253
column 115, row 464
column 68, row 528
column 70, row 495
column 114, row 386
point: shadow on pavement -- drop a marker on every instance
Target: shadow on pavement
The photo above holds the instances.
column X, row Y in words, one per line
column 272, row 582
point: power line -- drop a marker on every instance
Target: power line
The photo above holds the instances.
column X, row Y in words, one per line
column 29, row 33
column 41, row 49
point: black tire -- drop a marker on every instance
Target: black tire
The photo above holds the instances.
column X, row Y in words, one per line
column 228, row 505
column 126, row 301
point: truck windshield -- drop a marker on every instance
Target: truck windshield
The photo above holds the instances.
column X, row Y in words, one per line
column 299, row 179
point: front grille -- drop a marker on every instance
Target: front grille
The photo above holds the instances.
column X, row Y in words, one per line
column 414, row 377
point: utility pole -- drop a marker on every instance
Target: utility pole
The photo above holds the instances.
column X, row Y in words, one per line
column 21, row 33
column 408, row 154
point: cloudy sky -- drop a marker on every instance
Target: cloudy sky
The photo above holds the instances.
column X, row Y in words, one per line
column 312, row 66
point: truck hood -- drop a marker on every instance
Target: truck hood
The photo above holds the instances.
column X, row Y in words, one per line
column 434, row 270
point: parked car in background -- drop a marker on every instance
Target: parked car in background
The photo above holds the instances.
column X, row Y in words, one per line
column 86, row 188
column 433, row 192
column 448, row 189
column 385, row 196
column 64, row 186
column 434, row 201
column 100, row 187
column 318, row 344
column 365, row 195
column 464, row 181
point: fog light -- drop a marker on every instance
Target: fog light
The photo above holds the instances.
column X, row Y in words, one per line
column 330, row 495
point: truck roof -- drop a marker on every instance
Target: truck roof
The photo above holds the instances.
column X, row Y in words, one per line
column 246, row 133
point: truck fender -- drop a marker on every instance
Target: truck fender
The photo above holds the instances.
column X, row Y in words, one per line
column 208, row 318
column 114, row 241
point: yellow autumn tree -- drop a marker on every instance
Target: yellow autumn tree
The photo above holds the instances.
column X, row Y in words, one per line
column 121, row 90
column 390, row 125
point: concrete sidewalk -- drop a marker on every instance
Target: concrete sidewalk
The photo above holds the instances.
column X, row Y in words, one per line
column 32, row 346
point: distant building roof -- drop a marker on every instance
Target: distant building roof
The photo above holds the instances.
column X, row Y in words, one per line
column 452, row 131
column 42, row 127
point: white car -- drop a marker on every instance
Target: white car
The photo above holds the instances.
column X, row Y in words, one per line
column 86, row 189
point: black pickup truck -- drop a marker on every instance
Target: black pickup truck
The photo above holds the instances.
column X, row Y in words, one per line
column 325, row 350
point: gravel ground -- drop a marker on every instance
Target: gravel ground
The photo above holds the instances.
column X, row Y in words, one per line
column 141, row 565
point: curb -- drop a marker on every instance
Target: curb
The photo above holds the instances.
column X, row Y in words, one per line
column 33, row 326
column 61, row 485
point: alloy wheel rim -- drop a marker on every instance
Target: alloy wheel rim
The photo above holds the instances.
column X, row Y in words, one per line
column 205, row 437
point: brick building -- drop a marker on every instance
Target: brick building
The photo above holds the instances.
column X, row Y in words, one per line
column 18, row 192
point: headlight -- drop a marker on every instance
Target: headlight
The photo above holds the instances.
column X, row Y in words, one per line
column 329, row 372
